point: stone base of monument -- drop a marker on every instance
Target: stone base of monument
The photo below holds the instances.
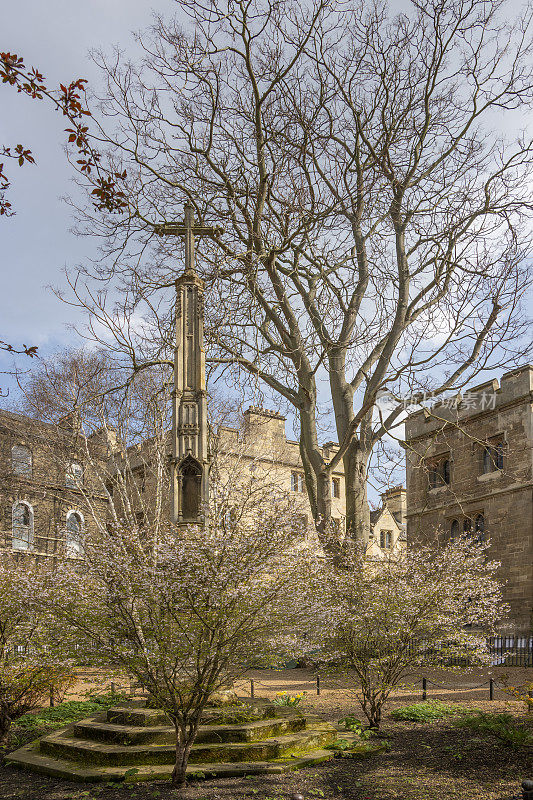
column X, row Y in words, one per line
column 136, row 743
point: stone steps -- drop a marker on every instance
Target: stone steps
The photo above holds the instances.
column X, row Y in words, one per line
column 137, row 743
column 151, row 717
column 63, row 744
column 30, row 757
column 103, row 731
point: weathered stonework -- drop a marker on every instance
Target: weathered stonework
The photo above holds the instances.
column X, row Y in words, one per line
column 487, row 440
column 53, row 448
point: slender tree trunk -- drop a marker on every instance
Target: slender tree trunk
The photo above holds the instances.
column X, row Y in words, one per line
column 183, row 748
column 317, row 474
column 357, row 508
column 5, row 725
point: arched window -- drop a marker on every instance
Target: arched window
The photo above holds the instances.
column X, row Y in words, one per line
column 454, row 530
column 190, row 473
column 22, row 530
column 74, row 534
column 488, row 465
column 467, row 525
column 21, row 460
column 480, row 528
column 74, row 476
column 446, row 471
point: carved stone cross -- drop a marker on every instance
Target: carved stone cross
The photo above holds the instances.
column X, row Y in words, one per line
column 189, row 230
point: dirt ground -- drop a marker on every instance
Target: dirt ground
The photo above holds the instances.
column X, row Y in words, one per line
column 425, row 761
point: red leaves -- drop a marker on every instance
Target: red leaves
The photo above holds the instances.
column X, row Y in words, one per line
column 26, row 351
column 22, row 155
column 109, row 197
column 68, row 100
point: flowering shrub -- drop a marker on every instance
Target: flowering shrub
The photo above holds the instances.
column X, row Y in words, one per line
column 30, row 653
column 186, row 612
column 420, row 607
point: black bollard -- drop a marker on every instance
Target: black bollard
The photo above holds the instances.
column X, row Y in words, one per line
column 252, row 689
column 424, row 689
column 491, row 689
column 318, row 684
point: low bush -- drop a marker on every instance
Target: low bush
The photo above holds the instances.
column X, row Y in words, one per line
column 508, row 729
column 69, row 711
column 426, row 711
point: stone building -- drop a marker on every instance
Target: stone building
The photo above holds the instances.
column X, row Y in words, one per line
column 258, row 447
column 51, row 492
column 469, row 470
column 387, row 524
column 49, row 496
column 261, row 444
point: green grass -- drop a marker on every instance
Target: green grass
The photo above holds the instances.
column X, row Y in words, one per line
column 509, row 730
column 427, row 711
column 67, row 712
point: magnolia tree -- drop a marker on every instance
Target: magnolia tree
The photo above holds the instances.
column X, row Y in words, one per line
column 425, row 606
column 31, row 660
column 188, row 611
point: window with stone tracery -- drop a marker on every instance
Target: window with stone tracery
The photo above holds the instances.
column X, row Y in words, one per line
column 22, row 528
column 21, row 460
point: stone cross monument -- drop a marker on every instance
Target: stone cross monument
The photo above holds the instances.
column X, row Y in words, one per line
column 190, row 460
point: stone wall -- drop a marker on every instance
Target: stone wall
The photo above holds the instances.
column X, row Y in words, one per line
column 487, row 440
column 53, row 450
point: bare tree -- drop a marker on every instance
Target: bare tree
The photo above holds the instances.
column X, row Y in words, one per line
column 376, row 216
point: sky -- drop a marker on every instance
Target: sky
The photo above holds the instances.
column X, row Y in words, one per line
column 37, row 244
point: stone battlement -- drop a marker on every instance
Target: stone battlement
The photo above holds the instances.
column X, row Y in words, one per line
column 485, row 397
column 265, row 412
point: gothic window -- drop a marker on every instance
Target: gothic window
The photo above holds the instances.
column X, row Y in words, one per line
column 74, row 534
column 385, row 540
column 297, row 482
column 230, row 517
column 74, row 476
column 22, row 532
column 190, row 482
column 336, row 487
column 439, row 472
column 454, row 529
column 21, row 462
column 480, row 528
column 492, row 457
column 467, row 525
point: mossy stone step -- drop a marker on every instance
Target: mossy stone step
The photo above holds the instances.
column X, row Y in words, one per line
column 153, row 717
column 63, row 744
column 140, row 717
column 30, row 757
column 100, row 730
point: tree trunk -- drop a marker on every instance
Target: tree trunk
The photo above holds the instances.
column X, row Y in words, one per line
column 317, row 474
column 323, row 494
column 5, row 725
column 357, row 508
column 183, row 748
